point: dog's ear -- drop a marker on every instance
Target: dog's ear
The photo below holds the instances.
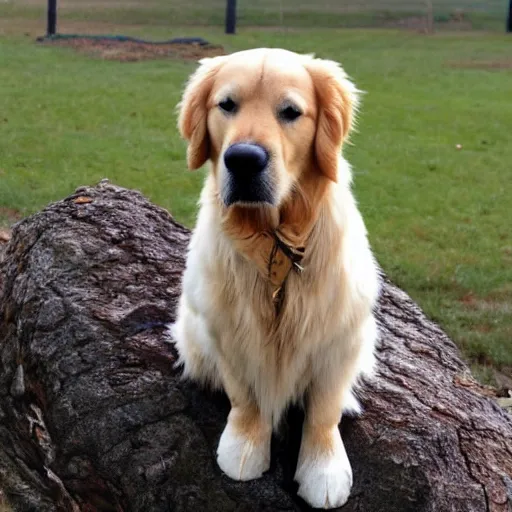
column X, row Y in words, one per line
column 338, row 99
column 193, row 112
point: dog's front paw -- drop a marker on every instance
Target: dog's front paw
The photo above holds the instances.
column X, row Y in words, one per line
column 243, row 456
column 325, row 479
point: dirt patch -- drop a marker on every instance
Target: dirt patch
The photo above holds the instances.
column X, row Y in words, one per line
column 133, row 51
column 482, row 64
column 10, row 215
column 469, row 299
column 490, row 303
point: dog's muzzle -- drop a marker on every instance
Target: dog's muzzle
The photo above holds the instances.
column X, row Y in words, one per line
column 248, row 178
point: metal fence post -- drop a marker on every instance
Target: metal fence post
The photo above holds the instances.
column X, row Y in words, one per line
column 52, row 18
column 230, row 16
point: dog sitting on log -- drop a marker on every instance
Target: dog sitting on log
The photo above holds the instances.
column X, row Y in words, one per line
column 280, row 283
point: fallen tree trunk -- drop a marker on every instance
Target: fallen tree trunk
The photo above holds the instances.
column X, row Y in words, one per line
column 94, row 415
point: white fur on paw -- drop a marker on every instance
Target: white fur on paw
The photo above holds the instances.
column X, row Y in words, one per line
column 242, row 458
column 325, row 480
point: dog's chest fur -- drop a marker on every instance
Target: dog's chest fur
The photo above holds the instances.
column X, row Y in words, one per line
column 275, row 355
column 272, row 354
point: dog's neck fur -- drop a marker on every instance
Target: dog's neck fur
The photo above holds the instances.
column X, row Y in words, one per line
column 274, row 239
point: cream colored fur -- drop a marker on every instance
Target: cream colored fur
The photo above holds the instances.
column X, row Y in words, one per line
column 227, row 337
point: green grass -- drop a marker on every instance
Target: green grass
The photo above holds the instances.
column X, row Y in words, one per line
column 439, row 218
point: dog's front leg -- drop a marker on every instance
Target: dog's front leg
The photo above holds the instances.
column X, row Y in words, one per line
column 244, row 447
column 323, row 469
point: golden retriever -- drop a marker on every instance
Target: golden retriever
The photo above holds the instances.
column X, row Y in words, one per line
column 280, row 283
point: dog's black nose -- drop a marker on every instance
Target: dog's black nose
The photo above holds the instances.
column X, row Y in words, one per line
column 245, row 158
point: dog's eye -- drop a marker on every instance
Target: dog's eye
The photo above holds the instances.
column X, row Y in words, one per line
column 289, row 113
column 228, row 105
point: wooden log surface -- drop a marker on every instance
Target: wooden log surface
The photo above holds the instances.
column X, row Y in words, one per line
column 94, row 415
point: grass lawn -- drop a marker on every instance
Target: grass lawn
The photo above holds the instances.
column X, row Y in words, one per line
column 439, row 217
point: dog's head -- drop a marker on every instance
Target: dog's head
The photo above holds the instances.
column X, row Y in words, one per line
column 268, row 120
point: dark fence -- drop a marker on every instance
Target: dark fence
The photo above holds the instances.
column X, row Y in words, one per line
column 423, row 15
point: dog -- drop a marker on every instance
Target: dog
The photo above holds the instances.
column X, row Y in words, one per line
column 280, row 282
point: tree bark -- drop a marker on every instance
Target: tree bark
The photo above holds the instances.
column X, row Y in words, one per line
column 94, row 416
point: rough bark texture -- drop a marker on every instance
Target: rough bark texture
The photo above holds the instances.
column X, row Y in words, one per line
column 93, row 415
